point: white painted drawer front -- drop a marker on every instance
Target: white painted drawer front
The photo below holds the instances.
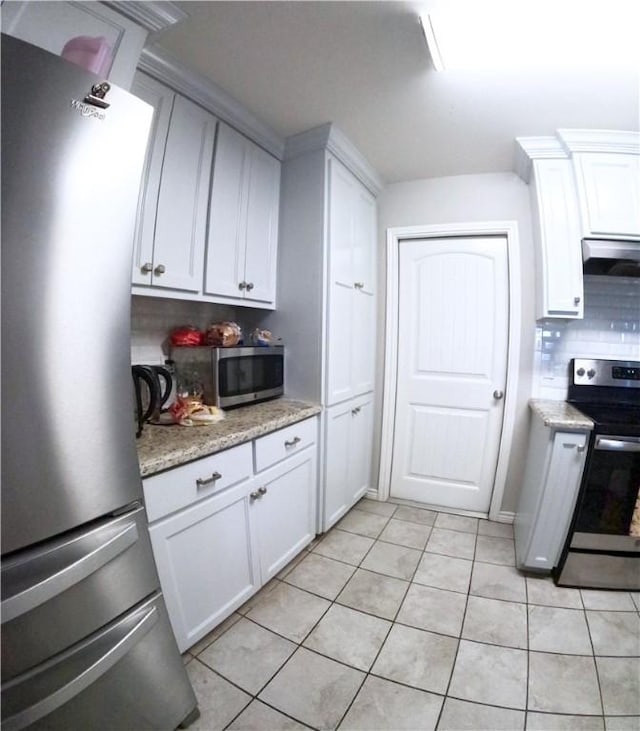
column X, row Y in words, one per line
column 182, row 486
column 283, row 443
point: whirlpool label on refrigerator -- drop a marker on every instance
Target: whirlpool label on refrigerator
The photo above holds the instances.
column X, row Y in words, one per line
column 86, row 110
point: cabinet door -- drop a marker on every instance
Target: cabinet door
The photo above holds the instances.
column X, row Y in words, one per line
column 224, row 271
column 560, row 288
column 360, row 447
column 261, row 241
column 336, row 494
column 184, row 198
column 50, row 25
column 557, row 500
column 609, row 190
column 207, row 562
column 285, row 510
column 161, row 99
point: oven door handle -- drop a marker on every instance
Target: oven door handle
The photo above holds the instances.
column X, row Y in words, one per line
column 619, row 444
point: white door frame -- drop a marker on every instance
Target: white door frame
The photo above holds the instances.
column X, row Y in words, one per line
column 509, row 229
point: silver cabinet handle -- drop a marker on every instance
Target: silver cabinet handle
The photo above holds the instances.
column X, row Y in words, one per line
column 249, row 286
column 242, row 285
column 497, row 395
column 91, row 661
column 356, row 410
column 160, row 269
column 292, row 442
column 203, row 482
column 358, row 285
column 254, row 495
column 68, row 574
column 581, row 448
column 146, row 267
column 262, row 490
column 576, row 300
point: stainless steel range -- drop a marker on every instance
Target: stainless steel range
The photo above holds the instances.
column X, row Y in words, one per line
column 602, row 550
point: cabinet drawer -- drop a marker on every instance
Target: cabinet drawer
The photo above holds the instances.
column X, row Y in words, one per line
column 283, row 443
column 182, row 486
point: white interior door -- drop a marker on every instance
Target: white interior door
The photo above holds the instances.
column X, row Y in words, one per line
column 453, row 324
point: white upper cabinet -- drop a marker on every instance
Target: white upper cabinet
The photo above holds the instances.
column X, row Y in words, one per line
column 107, row 41
column 183, row 199
column 609, row 192
column 161, row 99
column 584, row 184
column 243, row 222
column 558, row 252
column 351, row 321
column 174, row 195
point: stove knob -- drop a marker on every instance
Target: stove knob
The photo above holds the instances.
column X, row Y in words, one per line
column 580, row 372
column 591, row 373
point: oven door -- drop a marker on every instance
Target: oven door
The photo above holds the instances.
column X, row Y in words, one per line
column 608, row 514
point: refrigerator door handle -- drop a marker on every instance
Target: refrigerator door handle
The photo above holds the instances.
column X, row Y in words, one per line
column 24, row 600
column 88, row 669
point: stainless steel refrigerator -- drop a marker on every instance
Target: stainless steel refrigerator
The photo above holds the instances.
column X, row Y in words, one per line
column 86, row 641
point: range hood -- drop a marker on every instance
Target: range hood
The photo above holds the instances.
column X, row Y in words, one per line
column 611, row 258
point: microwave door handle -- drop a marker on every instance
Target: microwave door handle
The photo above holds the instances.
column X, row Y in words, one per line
column 611, row 444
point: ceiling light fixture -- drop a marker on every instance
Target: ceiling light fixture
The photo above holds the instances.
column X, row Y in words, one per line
column 432, row 44
column 546, row 35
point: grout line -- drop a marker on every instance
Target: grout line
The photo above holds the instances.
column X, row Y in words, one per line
column 593, row 650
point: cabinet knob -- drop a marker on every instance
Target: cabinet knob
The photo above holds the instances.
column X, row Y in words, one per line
column 262, row 490
column 358, row 285
column 254, row 495
column 356, row 410
column 146, row 267
column 581, row 447
column 249, row 286
column 497, row 394
column 242, row 285
column 204, row 481
column 576, row 300
column 292, row 442
column 160, row 269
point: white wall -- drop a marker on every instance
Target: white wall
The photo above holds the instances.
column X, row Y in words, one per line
column 461, row 199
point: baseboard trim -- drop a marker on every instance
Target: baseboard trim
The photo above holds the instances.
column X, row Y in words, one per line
column 504, row 516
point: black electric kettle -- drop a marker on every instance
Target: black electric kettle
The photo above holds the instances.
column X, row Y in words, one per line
column 152, row 386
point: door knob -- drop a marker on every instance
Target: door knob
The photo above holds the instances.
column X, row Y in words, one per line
column 497, row 395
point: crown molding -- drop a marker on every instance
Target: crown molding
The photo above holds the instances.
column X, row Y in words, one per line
column 153, row 15
column 329, row 137
column 529, row 149
column 600, row 140
column 156, row 62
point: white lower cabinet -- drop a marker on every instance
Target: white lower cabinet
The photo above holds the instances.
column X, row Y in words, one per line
column 348, row 440
column 555, row 462
column 285, row 511
column 220, row 529
column 207, row 562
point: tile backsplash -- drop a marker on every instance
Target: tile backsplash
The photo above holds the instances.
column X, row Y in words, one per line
column 152, row 319
column 610, row 329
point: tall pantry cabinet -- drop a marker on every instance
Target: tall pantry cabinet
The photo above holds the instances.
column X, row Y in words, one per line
column 326, row 303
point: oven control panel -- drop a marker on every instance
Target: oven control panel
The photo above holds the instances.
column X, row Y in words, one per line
column 595, row 372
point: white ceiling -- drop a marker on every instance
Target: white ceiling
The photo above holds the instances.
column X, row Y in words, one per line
column 365, row 66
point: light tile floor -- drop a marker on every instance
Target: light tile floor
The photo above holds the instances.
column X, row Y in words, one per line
column 402, row 618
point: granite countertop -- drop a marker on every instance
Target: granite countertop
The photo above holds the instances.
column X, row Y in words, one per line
column 560, row 414
column 163, row 447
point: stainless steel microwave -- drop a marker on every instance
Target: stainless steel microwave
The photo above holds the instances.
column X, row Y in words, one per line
column 232, row 376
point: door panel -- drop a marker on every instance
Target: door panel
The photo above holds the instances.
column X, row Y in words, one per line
column 262, row 224
column 226, row 242
column 452, row 344
column 183, row 200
